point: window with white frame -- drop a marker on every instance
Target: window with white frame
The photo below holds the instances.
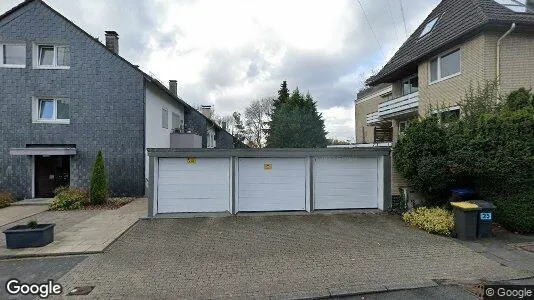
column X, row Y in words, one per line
column 211, row 139
column 164, row 118
column 51, row 110
column 177, row 122
column 445, row 66
column 410, row 85
column 402, row 127
column 448, row 115
column 51, row 56
column 13, row 55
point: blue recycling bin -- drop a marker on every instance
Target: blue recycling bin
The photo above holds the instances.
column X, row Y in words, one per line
column 462, row 193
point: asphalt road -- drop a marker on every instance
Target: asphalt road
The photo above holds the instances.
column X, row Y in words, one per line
column 35, row 270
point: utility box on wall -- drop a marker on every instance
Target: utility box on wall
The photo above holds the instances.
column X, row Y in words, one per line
column 185, row 140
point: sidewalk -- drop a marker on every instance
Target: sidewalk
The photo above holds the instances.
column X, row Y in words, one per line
column 80, row 231
column 506, row 248
column 14, row 213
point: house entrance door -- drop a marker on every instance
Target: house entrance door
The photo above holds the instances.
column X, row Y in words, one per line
column 51, row 172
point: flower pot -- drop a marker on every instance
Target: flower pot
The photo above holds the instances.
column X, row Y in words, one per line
column 22, row 236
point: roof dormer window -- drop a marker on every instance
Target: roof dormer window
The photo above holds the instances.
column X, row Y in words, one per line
column 429, row 26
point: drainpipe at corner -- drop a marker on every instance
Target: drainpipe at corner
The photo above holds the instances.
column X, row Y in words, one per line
column 498, row 67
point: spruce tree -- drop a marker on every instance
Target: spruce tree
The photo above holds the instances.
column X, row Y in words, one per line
column 296, row 123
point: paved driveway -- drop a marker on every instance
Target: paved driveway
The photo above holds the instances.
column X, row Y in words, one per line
column 281, row 256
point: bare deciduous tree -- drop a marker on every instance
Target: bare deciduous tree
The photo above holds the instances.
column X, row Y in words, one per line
column 256, row 120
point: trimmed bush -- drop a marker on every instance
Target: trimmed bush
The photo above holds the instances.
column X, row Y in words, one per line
column 515, row 211
column 433, row 220
column 6, row 199
column 420, row 155
column 99, row 183
column 69, row 199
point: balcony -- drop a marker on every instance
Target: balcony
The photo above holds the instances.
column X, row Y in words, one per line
column 399, row 106
column 372, row 118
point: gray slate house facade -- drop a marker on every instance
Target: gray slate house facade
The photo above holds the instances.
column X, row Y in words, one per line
column 64, row 96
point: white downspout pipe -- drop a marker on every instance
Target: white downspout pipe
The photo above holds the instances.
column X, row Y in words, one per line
column 498, row 66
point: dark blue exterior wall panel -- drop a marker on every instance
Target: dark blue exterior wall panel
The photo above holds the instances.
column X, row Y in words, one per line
column 106, row 106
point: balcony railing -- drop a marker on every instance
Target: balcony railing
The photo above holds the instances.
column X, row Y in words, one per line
column 372, row 118
column 401, row 105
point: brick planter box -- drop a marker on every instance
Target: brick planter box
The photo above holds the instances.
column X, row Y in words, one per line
column 22, row 236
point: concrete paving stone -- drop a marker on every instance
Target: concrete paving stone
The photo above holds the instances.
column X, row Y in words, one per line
column 276, row 256
column 11, row 214
column 78, row 231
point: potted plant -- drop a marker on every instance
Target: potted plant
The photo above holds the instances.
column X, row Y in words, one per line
column 32, row 234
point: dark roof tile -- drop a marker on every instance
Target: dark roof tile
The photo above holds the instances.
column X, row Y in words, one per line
column 458, row 20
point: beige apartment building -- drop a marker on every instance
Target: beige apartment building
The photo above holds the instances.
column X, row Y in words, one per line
column 461, row 44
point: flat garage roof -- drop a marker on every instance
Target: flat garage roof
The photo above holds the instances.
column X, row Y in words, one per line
column 270, row 152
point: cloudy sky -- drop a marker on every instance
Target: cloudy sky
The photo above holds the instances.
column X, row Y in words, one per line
column 228, row 53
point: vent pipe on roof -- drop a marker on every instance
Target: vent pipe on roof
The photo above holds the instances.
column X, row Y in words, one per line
column 112, row 41
column 498, row 64
column 173, row 86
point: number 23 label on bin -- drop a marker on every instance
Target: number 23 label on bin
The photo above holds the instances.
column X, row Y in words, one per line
column 485, row 216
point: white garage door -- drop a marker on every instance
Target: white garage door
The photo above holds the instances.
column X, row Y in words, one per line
column 193, row 185
column 345, row 183
column 271, row 184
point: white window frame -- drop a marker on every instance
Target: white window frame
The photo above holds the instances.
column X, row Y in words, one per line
column 438, row 60
column 2, row 65
column 180, row 125
column 438, row 112
column 36, row 57
column 164, row 125
column 405, row 123
column 408, row 79
column 36, row 113
column 211, row 139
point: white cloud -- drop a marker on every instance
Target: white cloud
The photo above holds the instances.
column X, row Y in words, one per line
column 341, row 122
column 231, row 52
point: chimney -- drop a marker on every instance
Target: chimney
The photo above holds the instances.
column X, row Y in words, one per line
column 206, row 110
column 173, row 86
column 112, row 41
column 224, row 125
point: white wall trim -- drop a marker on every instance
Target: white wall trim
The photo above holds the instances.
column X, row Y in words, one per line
column 236, row 185
column 156, row 185
column 380, row 185
column 309, row 184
